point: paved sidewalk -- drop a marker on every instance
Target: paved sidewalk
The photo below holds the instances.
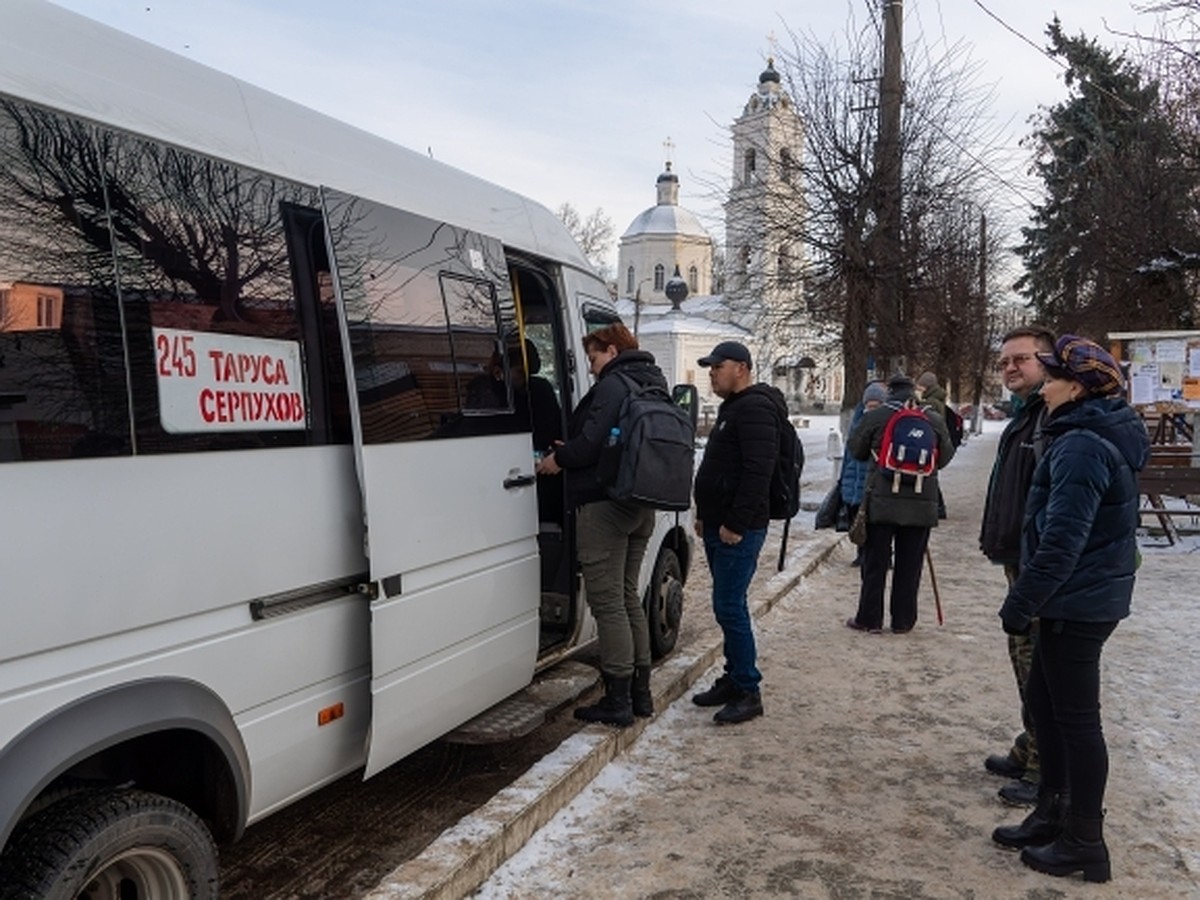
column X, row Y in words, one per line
column 865, row 776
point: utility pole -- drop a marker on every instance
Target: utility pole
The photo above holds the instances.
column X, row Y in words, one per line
column 888, row 253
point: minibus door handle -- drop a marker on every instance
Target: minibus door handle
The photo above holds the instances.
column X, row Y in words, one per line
column 518, row 481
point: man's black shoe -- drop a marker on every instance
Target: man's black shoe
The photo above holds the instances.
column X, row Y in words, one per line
column 1020, row 793
column 723, row 691
column 1004, row 766
column 744, row 708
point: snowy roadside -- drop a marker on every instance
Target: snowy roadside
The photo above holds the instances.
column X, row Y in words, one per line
column 865, row 777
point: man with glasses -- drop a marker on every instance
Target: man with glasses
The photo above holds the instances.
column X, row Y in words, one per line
column 1000, row 535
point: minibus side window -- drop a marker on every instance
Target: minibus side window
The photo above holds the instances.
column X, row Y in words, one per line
column 216, row 352
column 62, row 374
column 431, row 322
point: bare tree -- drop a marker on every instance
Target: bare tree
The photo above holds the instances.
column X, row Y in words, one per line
column 593, row 235
column 830, row 282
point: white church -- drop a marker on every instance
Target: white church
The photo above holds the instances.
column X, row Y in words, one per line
column 665, row 270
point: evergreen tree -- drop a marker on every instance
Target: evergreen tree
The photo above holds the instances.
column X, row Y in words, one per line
column 1120, row 201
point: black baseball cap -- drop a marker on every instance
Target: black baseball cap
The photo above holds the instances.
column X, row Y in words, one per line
column 727, row 350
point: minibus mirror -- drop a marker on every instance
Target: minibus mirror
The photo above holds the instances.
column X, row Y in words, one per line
column 686, row 396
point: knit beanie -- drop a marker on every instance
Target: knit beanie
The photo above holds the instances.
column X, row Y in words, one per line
column 875, row 391
column 927, row 380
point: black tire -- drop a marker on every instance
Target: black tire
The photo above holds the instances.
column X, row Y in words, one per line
column 664, row 603
column 111, row 845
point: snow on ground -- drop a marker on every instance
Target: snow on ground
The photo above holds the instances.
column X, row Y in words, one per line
column 862, row 731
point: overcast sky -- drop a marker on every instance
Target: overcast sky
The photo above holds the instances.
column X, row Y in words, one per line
column 572, row 100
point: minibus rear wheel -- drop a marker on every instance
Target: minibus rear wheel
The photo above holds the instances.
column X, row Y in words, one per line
column 664, row 603
column 111, row 845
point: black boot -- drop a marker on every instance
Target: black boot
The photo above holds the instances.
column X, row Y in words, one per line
column 1080, row 848
column 1041, row 826
column 614, row 708
column 639, row 692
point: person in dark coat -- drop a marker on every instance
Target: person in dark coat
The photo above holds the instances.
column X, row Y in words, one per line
column 732, row 494
column 852, row 483
column 932, row 393
column 1000, row 532
column 1078, row 560
column 898, row 521
column 611, row 535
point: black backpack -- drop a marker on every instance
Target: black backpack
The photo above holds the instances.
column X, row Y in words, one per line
column 785, row 480
column 954, row 424
column 655, row 445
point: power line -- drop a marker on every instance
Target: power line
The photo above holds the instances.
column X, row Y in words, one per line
column 1099, row 88
column 1007, row 27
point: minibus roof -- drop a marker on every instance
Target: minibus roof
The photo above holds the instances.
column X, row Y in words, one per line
column 64, row 61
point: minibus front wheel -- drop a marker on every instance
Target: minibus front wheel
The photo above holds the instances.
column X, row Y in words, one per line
column 112, row 845
column 664, row 603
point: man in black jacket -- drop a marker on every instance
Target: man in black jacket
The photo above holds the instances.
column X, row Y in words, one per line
column 1000, row 534
column 732, row 512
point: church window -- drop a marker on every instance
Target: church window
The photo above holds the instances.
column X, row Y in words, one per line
column 785, row 259
column 744, row 258
column 750, row 165
column 786, row 166
column 693, row 279
column 629, row 281
column 660, row 275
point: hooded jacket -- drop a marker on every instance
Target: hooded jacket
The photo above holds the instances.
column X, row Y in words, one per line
column 1016, row 456
column 1078, row 553
column 908, row 507
column 594, row 418
column 853, row 480
column 734, row 480
column 935, row 396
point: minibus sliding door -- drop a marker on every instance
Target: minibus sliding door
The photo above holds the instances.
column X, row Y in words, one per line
column 445, row 465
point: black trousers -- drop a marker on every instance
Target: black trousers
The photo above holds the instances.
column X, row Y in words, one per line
column 909, row 553
column 1063, row 693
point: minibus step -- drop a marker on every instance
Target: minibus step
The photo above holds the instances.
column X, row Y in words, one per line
column 525, row 710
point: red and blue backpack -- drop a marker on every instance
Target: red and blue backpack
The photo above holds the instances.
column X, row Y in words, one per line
column 909, row 449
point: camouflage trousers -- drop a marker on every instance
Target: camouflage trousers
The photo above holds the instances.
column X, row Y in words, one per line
column 1020, row 653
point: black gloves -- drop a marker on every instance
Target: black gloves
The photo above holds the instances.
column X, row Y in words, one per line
column 1013, row 621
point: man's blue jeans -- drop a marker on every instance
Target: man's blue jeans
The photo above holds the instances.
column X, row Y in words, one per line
column 732, row 567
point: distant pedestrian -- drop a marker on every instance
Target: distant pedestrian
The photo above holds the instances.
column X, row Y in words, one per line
column 933, row 395
column 611, row 535
column 1000, row 532
column 853, row 481
column 732, row 512
column 1078, row 562
column 900, row 512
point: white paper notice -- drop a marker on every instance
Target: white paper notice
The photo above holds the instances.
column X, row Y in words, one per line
column 1194, row 362
column 1170, row 351
column 1142, row 387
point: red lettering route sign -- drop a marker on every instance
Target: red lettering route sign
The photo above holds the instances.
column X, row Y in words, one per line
column 226, row 382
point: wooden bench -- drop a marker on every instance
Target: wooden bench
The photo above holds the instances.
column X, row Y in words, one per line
column 1171, row 480
column 1170, row 455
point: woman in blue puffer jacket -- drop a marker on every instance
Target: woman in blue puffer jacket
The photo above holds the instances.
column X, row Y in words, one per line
column 1078, row 559
column 853, row 481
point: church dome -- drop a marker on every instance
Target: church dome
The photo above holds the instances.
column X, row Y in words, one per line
column 769, row 74
column 668, row 217
column 665, row 220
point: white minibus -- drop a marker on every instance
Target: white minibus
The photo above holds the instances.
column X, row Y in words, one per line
column 271, row 390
